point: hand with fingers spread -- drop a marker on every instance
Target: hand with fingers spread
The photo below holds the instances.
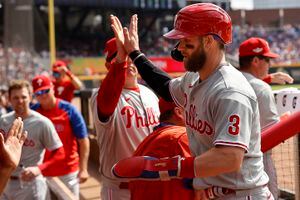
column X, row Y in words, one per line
column 10, row 149
column 131, row 36
column 119, row 35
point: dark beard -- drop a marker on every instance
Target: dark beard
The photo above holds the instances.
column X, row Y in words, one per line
column 196, row 61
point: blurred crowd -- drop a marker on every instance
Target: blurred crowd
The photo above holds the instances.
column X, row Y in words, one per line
column 20, row 64
column 284, row 41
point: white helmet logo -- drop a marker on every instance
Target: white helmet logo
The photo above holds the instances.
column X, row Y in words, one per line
column 39, row 81
column 257, row 50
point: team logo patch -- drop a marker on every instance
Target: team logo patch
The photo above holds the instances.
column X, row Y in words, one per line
column 39, row 81
column 257, row 50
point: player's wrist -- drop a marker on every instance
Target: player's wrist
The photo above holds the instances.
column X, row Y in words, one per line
column 134, row 55
column 69, row 74
column 187, row 167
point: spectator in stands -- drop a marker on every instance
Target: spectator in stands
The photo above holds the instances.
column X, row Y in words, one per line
column 27, row 181
column 72, row 131
column 254, row 59
column 10, row 151
column 65, row 82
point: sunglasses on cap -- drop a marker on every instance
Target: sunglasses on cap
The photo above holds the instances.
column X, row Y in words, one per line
column 41, row 92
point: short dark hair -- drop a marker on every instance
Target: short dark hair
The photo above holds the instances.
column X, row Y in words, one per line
column 245, row 61
column 19, row 84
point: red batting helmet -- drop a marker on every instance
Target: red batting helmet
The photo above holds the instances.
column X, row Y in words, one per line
column 202, row 19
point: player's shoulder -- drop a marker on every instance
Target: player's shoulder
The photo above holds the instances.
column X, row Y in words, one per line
column 38, row 117
column 65, row 105
column 144, row 88
column 8, row 117
column 232, row 80
column 257, row 84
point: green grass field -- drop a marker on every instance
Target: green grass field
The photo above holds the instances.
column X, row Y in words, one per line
column 278, row 87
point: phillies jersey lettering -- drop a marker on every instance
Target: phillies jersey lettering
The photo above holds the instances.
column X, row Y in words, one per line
column 201, row 126
column 222, row 110
column 131, row 116
column 134, row 118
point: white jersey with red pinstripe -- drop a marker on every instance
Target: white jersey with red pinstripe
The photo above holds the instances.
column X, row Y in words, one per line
column 135, row 116
column 222, row 110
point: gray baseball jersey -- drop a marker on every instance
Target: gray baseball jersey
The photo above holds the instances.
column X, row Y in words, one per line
column 222, row 110
column 266, row 102
column 268, row 116
column 135, row 116
column 41, row 135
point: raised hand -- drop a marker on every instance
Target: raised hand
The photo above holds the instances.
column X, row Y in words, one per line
column 131, row 36
column 11, row 148
column 119, row 35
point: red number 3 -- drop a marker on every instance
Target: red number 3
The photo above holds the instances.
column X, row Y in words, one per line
column 234, row 128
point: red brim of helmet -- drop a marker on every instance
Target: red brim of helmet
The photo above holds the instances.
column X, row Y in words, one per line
column 176, row 34
column 271, row 55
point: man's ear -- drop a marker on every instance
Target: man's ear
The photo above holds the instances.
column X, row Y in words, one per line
column 208, row 41
column 178, row 111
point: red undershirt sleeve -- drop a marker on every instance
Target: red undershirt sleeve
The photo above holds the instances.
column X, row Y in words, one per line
column 55, row 156
column 110, row 90
column 267, row 79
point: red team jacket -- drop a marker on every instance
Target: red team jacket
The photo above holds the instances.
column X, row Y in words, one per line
column 166, row 141
column 69, row 125
column 64, row 90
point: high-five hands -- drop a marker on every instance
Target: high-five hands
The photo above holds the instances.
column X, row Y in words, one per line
column 119, row 35
column 11, row 148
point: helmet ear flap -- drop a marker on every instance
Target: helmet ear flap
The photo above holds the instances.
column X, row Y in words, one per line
column 176, row 54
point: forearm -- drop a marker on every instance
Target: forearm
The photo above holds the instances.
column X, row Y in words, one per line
column 84, row 151
column 75, row 80
column 218, row 160
column 110, row 90
column 56, row 156
column 156, row 78
column 4, row 174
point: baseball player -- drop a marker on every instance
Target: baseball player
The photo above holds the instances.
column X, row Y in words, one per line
column 254, row 59
column 65, row 82
column 10, row 151
column 72, row 131
column 168, row 139
column 124, row 113
column 221, row 110
column 27, row 182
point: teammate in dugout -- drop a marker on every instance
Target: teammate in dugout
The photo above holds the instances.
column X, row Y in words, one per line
column 254, row 59
column 72, row 131
column 168, row 139
column 27, row 181
column 221, row 109
column 124, row 113
column 65, row 82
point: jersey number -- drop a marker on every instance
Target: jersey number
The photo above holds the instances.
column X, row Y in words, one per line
column 234, row 128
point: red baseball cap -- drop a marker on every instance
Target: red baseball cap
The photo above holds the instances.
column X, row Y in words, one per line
column 256, row 47
column 165, row 106
column 41, row 82
column 58, row 64
column 110, row 49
